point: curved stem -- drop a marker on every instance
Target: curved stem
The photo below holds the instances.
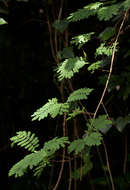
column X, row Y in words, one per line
column 111, row 66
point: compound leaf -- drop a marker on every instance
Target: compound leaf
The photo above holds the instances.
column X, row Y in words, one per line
column 70, row 66
column 79, row 94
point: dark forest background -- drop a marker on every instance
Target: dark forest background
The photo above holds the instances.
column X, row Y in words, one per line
column 27, row 82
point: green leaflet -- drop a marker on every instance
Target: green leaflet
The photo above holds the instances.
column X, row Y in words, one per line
column 26, row 139
column 103, row 12
column 60, row 25
column 52, row 108
column 94, row 66
column 92, row 136
column 39, row 159
column 106, row 13
column 84, row 169
column 107, row 33
column 126, row 4
column 28, row 162
column 2, row 21
column 84, row 13
column 81, row 39
column 77, row 146
column 121, row 122
column 75, row 112
column 80, row 94
column 105, row 50
column 69, row 67
column 53, row 145
column 99, row 123
column 92, row 139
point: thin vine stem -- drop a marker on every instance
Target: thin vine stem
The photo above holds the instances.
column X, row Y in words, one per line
column 111, row 66
column 108, row 166
column 63, row 156
column 104, row 92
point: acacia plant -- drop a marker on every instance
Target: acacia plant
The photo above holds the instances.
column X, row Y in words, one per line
column 72, row 108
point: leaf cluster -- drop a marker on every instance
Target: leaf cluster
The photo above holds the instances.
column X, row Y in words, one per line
column 38, row 159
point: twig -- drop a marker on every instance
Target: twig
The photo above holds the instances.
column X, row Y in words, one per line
column 51, row 41
column 111, row 66
column 63, row 156
column 105, row 110
column 108, row 166
column 60, row 11
column 70, row 175
column 105, row 173
column 75, row 167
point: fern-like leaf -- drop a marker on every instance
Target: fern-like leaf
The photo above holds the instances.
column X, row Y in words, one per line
column 80, row 40
column 79, row 94
column 39, row 159
column 94, row 66
column 101, row 124
column 126, row 4
column 105, row 50
column 52, row 108
column 93, row 139
column 85, row 168
column 106, row 13
column 26, row 139
column 75, row 112
column 84, row 13
column 53, row 145
column 29, row 162
column 69, row 67
column 78, row 145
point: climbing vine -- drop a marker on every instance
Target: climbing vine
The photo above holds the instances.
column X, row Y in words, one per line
column 71, row 59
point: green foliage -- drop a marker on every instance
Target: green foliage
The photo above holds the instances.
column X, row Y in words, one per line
column 84, row 169
column 93, row 139
column 95, row 127
column 99, row 123
column 75, row 113
column 2, row 21
column 78, row 145
column 103, row 12
column 39, row 159
column 29, row 162
column 121, row 122
column 105, row 50
column 126, row 4
column 52, row 108
column 92, row 136
column 94, row 66
column 53, row 145
column 106, row 13
column 26, row 139
column 84, row 13
column 80, row 94
column 66, row 53
column 69, row 67
column 60, row 25
column 107, row 33
column 80, row 40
